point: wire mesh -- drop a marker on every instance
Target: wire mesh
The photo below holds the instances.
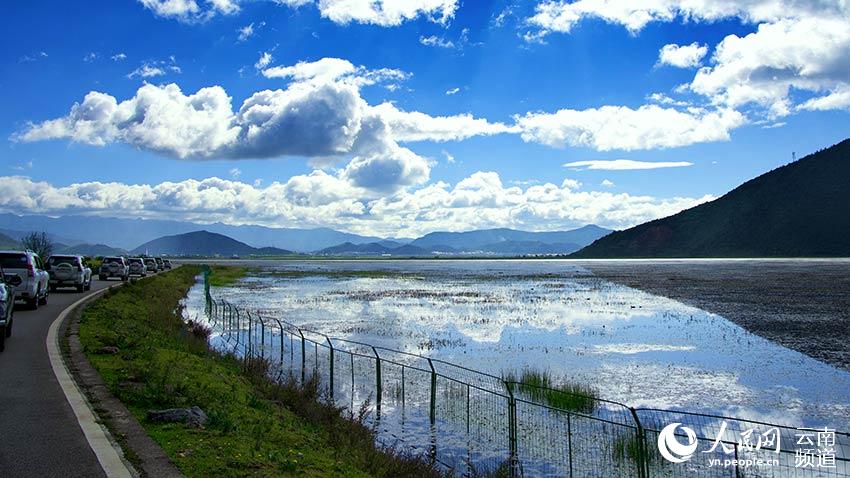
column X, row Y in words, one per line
column 474, row 423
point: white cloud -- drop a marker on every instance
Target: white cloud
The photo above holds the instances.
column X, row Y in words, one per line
column 452, row 91
column 450, row 159
column 436, row 41
column 320, row 116
column 607, row 183
column 835, row 100
column 375, row 12
column 322, row 199
column 386, row 12
column 682, row 56
column 152, row 69
column 762, row 68
column 634, row 15
column 90, row 57
column 248, row 31
column 32, row 58
column 265, row 60
column 322, row 71
column 623, row 128
column 235, row 173
column 416, row 126
column 119, row 57
column 797, row 45
column 624, row 164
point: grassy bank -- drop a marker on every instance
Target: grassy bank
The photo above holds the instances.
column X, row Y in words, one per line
column 256, row 428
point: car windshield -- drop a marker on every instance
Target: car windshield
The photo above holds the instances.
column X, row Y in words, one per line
column 56, row 260
column 112, row 260
column 135, row 261
column 13, row 260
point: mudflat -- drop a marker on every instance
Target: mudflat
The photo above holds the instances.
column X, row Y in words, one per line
column 801, row 304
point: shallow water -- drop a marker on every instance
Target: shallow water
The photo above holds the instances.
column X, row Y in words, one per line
column 497, row 316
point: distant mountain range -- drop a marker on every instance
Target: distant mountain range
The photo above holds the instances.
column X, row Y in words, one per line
column 129, row 233
column 502, row 242
column 204, row 243
column 798, row 210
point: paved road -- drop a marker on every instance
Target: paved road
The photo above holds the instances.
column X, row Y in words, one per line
column 39, row 434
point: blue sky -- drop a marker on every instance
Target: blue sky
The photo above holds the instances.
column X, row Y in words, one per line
column 444, row 115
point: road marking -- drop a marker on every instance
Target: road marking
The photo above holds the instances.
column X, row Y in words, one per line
column 108, row 453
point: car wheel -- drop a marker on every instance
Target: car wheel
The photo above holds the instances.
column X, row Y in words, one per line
column 101, row 277
column 32, row 304
column 81, row 287
column 43, row 300
column 88, row 285
column 9, row 325
column 3, row 339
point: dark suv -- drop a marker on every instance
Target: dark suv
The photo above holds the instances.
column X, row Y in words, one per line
column 7, row 306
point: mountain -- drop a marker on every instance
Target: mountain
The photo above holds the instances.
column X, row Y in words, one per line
column 801, row 209
column 57, row 239
column 7, row 242
column 92, row 250
column 129, row 233
column 203, row 243
column 520, row 248
column 374, row 249
column 478, row 240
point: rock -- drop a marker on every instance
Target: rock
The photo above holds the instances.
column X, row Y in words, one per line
column 108, row 350
column 194, row 416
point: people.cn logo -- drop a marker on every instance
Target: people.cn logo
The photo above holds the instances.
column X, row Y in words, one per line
column 671, row 449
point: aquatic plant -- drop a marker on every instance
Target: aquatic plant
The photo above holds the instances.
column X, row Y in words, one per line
column 540, row 386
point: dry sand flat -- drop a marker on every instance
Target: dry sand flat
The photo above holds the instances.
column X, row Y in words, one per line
column 801, row 304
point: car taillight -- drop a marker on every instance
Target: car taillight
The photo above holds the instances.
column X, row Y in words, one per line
column 30, row 271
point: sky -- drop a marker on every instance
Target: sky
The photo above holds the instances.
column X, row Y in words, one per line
column 399, row 118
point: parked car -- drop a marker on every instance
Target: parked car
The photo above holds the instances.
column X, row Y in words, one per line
column 160, row 266
column 137, row 267
column 167, row 264
column 7, row 308
column 114, row 266
column 32, row 282
column 68, row 271
column 150, row 264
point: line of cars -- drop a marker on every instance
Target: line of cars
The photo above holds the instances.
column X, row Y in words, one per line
column 24, row 276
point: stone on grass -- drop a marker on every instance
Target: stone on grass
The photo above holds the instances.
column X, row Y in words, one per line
column 194, row 416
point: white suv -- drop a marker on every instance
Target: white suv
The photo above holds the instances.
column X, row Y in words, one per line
column 137, row 267
column 114, row 267
column 24, row 270
column 68, row 271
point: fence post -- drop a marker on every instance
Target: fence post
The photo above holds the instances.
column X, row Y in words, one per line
column 303, row 355
column 433, row 413
column 331, row 357
column 737, row 469
column 378, row 388
column 643, row 463
column 238, row 326
column 512, row 432
column 262, row 336
column 570, row 441
column 250, row 332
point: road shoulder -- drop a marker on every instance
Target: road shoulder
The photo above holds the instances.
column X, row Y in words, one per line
column 148, row 458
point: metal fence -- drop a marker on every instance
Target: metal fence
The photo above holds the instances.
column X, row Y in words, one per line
column 474, row 423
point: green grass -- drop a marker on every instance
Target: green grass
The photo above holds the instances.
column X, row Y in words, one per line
column 223, row 276
column 257, row 427
column 541, row 387
column 630, row 448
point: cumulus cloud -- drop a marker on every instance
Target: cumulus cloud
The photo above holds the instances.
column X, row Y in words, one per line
column 375, row 12
column 434, row 40
column 416, row 126
column 321, row 199
column 248, row 31
column 762, row 68
column 624, row 164
column 797, row 45
column 386, row 12
column 682, row 56
column 452, row 91
column 624, row 128
column 320, row 115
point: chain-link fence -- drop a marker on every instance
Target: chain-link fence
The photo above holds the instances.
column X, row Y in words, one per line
column 474, row 423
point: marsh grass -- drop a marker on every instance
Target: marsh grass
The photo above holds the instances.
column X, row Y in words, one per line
column 223, row 276
column 629, row 447
column 540, row 386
